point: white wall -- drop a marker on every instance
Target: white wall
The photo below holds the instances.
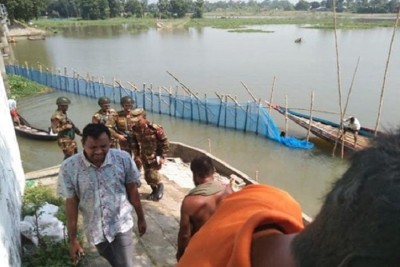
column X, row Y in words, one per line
column 12, row 183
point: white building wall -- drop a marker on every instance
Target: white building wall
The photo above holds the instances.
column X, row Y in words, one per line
column 12, row 181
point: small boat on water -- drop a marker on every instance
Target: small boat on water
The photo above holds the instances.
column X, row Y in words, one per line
column 328, row 130
column 158, row 246
column 299, row 40
column 36, row 37
column 25, row 129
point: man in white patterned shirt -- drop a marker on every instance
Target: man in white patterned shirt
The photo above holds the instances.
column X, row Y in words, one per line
column 103, row 184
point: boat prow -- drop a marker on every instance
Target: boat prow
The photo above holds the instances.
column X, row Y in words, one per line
column 25, row 129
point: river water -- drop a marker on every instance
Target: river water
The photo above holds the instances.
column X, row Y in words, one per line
column 211, row 60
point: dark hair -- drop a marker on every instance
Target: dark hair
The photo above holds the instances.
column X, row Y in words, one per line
column 358, row 224
column 94, row 130
column 202, row 167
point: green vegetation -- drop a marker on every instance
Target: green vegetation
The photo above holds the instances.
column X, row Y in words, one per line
column 223, row 21
column 105, row 9
column 21, row 87
column 48, row 252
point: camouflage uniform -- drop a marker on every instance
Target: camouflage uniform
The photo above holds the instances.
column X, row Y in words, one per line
column 108, row 118
column 124, row 123
column 66, row 137
column 148, row 143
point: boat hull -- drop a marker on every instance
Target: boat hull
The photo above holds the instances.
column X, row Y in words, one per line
column 34, row 133
column 330, row 131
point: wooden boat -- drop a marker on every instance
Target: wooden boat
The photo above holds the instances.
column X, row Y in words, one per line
column 328, row 130
column 158, row 246
column 298, row 40
column 25, row 129
column 36, row 37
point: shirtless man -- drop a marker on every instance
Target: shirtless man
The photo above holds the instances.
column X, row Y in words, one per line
column 201, row 202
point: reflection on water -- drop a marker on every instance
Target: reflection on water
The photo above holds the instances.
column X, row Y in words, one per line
column 305, row 174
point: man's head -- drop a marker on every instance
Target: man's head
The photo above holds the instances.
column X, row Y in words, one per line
column 358, row 224
column 127, row 103
column 202, row 168
column 352, row 120
column 62, row 103
column 96, row 140
column 104, row 102
column 140, row 117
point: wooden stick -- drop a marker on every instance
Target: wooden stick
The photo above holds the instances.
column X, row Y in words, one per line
column 187, row 90
column 133, row 86
column 209, row 145
column 248, row 91
column 386, row 69
column 311, row 110
column 272, row 92
column 286, row 116
column 337, row 71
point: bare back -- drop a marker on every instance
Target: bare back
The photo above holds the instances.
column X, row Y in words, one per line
column 200, row 208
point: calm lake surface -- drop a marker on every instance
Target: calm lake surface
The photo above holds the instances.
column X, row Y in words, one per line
column 211, row 60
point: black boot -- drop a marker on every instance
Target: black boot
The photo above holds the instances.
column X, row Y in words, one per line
column 152, row 195
column 159, row 193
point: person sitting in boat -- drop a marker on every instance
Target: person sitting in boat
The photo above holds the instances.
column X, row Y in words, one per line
column 353, row 126
column 201, row 202
column 12, row 105
column 107, row 116
column 356, row 226
column 65, row 128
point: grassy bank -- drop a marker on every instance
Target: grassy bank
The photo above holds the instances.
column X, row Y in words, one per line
column 237, row 20
column 21, row 87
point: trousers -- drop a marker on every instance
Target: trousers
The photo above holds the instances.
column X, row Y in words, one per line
column 119, row 252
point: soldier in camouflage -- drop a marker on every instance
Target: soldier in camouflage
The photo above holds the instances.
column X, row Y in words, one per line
column 65, row 128
column 150, row 147
column 124, row 124
column 107, row 116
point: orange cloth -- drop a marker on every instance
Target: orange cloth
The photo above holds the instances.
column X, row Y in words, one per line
column 225, row 239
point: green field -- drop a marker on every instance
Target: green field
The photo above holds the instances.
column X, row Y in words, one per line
column 238, row 20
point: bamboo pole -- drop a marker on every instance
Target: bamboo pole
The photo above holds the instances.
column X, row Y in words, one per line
column 170, row 101
column 206, row 109
column 220, row 108
column 176, row 101
column 337, row 71
column 386, row 69
column 245, row 120
column 345, row 110
column 66, row 84
column 144, row 96
column 311, row 110
column 226, row 110
column 159, row 100
column 185, row 88
column 272, row 92
column 134, row 87
column 286, row 116
column 248, row 91
column 258, row 115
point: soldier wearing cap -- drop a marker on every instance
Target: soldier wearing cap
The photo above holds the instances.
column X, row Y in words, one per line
column 124, row 124
column 64, row 127
column 107, row 116
column 150, row 147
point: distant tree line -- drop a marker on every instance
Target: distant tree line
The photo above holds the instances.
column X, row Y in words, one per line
column 355, row 6
column 103, row 9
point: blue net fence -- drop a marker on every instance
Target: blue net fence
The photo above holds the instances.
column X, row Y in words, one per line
column 223, row 111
